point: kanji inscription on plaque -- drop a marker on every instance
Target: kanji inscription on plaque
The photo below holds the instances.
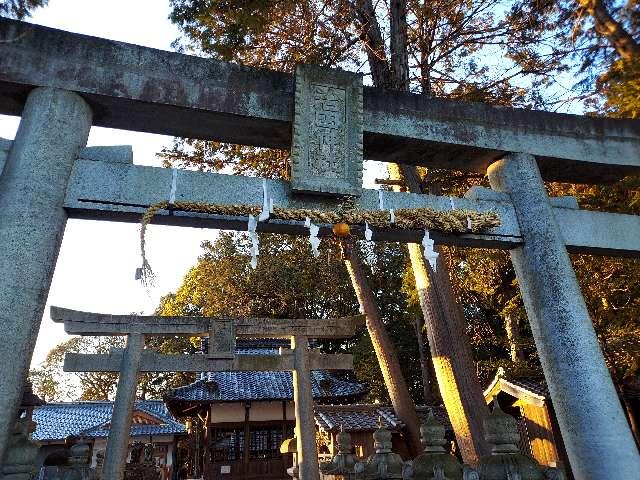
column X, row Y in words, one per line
column 326, row 154
column 222, row 339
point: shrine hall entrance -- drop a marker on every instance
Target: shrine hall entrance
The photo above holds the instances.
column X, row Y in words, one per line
column 225, row 459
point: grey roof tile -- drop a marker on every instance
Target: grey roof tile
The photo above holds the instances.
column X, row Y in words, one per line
column 246, row 386
column 57, row 421
column 357, row 417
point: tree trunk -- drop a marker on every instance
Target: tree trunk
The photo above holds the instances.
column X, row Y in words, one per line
column 513, row 337
column 398, row 45
column 372, row 41
column 611, row 29
column 452, row 362
column 385, row 351
column 450, row 351
column 430, row 397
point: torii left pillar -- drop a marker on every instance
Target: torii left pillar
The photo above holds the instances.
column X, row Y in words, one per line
column 54, row 127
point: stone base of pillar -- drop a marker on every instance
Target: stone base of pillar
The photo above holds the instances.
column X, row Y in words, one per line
column 20, row 458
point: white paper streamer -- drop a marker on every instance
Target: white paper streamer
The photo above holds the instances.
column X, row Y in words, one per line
column 264, row 214
column 251, row 227
column 255, row 241
column 453, row 205
column 368, row 234
column 393, row 216
column 314, row 240
column 174, row 185
column 429, row 253
column 469, row 224
column 270, row 205
column 307, row 222
column 380, row 200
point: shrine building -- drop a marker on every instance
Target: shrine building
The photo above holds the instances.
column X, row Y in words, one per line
column 238, row 421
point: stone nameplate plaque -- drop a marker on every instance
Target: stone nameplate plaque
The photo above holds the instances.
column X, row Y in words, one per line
column 326, row 150
column 222, row 339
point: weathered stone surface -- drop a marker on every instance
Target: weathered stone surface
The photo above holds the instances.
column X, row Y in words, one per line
column 54, row 127
column 112, row 153
column 344, row 465
column 326, row 148
column 594, row 428
column 506, row 461
column 79, row 461
column 308, row 468
column 5, row 145
column 118, row 440
column 20, row 459
column 155, row 362
column 116, row 153
column 139, row 88
column 384, row 464
column 222, row 339
column 87, row 323
column 435, row 457
column 120, row 192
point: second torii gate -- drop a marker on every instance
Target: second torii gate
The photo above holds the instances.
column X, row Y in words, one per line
column 221, row 357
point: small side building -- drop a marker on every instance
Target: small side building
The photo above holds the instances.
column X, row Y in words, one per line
column 152, row 423
column 530, row 403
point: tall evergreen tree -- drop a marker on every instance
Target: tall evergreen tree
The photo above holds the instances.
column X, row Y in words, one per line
column 501, row 52
column 20, row 8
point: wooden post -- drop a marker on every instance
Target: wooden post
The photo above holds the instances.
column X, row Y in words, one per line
column 247, row 439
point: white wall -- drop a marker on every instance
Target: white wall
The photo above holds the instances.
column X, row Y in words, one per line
column 259, row 412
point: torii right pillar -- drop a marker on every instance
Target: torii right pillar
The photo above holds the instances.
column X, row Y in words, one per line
column 594, row 429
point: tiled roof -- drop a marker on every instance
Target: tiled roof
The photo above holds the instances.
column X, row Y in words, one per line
column 254, row 346
column 353, row 418
column 516, row 386
column 57, row 421
column 537, row 387
column 236, row 386
column 217, row 387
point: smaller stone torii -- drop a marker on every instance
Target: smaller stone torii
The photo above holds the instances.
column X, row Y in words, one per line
column 221, row 357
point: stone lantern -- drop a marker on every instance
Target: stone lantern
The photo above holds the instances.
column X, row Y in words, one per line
column 79, row 459
column 384, row 464
column 435, row 460
column 345, row 465
column 290, row 446
column 506, row 462
column 20, row 457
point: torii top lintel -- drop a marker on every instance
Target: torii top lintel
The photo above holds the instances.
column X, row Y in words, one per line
column 138, row 88
column 86, row 323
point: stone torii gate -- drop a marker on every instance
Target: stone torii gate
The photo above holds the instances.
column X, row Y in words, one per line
column 62, row 83
column 221, row 357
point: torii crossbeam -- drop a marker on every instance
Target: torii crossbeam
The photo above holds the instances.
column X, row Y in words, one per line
column 221, row 357
column 62, row 83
